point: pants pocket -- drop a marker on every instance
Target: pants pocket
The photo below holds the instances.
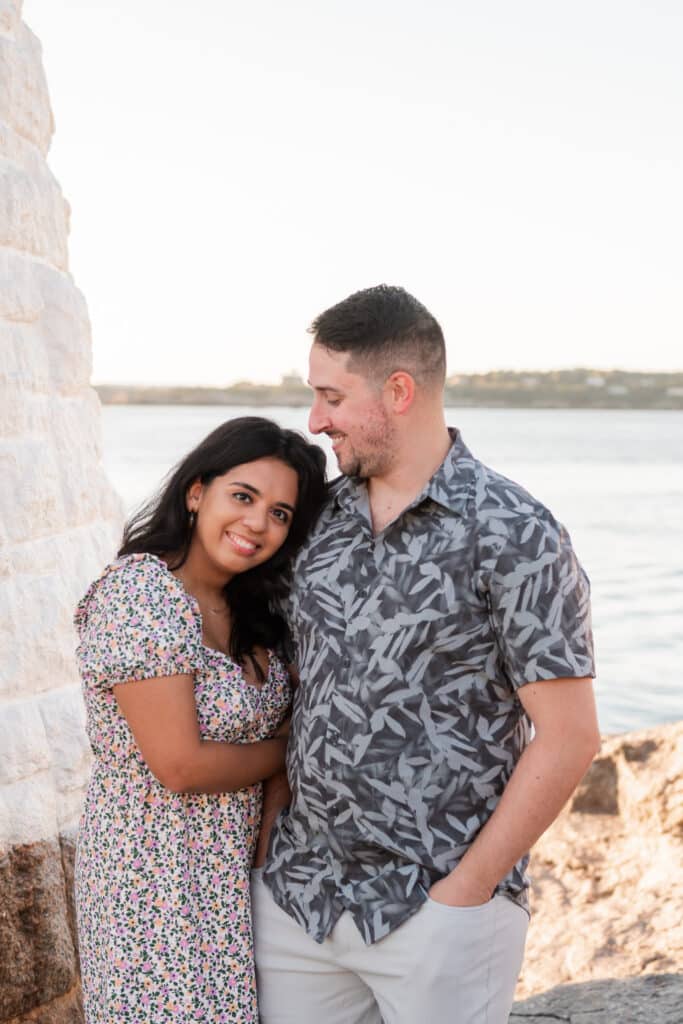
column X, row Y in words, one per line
column 465, row 964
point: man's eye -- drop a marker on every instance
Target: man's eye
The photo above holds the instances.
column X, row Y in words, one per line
column 333, row 401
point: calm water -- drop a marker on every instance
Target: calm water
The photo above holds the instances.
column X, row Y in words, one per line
column 614, row 478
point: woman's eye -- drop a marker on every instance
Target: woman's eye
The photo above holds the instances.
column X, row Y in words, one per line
column 241, row 496
column 281, row 515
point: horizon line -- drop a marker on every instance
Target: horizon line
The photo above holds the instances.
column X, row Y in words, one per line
column 241, row 382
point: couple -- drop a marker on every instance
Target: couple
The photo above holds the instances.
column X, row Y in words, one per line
column 439, row 624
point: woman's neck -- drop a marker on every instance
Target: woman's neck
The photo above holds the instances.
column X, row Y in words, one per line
column 207, row 589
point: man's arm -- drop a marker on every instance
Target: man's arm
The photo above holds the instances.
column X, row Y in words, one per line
column 566, row 740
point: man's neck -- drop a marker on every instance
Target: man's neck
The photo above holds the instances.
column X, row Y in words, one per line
column 415, row 464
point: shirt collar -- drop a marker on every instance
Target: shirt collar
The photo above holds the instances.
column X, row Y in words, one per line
column 451, row 486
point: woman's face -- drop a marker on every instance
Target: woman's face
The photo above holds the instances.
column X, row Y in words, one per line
column 243, row 516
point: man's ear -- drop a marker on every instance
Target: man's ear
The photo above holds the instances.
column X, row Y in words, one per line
column 400, row 389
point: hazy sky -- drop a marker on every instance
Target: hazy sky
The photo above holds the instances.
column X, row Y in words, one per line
column 235, row 168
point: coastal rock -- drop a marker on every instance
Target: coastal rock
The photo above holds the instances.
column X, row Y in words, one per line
column 38, row 961
column 654, row 999
column 68, row 850
column 607, row 877
column 68, row 1009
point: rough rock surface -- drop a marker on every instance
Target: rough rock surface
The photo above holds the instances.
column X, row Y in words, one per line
column 653, row 999
column 38, row 960
column 607, row 889
column 67, row 1009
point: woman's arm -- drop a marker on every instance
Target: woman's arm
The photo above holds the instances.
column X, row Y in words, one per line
column 276, row 796
column 162, row 716
column 276, row 792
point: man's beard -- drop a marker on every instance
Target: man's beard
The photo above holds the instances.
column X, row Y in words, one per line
column 374, row 457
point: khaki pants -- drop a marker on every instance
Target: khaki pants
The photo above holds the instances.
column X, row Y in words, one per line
column 444, row 965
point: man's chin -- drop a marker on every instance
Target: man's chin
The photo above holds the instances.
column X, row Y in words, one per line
column 348, row 467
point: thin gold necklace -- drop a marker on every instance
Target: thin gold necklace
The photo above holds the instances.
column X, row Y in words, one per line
column 218, row 611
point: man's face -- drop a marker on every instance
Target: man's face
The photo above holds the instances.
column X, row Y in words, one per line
column 351, row 411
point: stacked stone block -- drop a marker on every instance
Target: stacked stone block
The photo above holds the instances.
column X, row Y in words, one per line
column 59, row 522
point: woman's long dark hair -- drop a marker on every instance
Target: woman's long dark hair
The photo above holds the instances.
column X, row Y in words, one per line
column 162, row 525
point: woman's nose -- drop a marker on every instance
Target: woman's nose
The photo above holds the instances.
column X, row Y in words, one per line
column 256, row 518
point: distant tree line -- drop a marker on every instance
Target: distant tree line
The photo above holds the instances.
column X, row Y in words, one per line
column 554, row 389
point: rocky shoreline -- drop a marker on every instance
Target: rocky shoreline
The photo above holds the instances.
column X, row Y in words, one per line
column 606, row 938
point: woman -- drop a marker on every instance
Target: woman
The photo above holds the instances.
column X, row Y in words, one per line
column 185, row 697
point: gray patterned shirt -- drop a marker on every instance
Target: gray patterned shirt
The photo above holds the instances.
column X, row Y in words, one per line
column 411, row 646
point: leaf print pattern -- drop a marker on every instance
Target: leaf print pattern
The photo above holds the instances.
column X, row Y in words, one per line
column 162, row 879
column 411, row 646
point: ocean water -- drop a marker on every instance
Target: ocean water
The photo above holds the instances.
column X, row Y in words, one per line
column 614, row 478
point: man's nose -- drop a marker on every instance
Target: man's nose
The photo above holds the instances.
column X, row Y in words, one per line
column 318, row 420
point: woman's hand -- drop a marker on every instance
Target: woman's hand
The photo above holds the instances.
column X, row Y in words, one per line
column 293, row 675
column 283, row 727
column 276, row 796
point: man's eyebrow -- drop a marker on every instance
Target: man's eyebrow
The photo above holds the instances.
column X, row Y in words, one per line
column 324, row 387
column 255, row 490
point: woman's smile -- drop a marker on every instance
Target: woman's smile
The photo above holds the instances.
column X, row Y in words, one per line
column 241, row 545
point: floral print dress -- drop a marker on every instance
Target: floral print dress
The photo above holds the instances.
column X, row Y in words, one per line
column 162, row 879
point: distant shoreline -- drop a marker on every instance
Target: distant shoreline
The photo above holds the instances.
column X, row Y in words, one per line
column 557, row 389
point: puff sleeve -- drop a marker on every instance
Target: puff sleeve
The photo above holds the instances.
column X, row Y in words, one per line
column 137, row 622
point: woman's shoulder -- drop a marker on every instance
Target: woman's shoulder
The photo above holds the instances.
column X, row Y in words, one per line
column 140, row 582
column 140, row 570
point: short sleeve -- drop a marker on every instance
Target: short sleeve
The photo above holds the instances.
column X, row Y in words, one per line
column 137, row 622
column 539, row 601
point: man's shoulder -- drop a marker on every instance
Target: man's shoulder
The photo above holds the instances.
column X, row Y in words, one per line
column 509, row 518
column 471, row 487
column 495, row 492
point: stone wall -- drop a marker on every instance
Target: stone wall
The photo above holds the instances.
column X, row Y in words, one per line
column 59, row 522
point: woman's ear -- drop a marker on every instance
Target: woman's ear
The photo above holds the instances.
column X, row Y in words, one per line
column 193, row 495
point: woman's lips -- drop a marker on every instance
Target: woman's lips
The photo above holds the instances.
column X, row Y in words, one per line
column 244, row 547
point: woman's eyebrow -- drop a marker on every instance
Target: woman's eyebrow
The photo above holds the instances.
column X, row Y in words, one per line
column 255, row 490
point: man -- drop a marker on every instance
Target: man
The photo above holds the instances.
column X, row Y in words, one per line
column 438, row 613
